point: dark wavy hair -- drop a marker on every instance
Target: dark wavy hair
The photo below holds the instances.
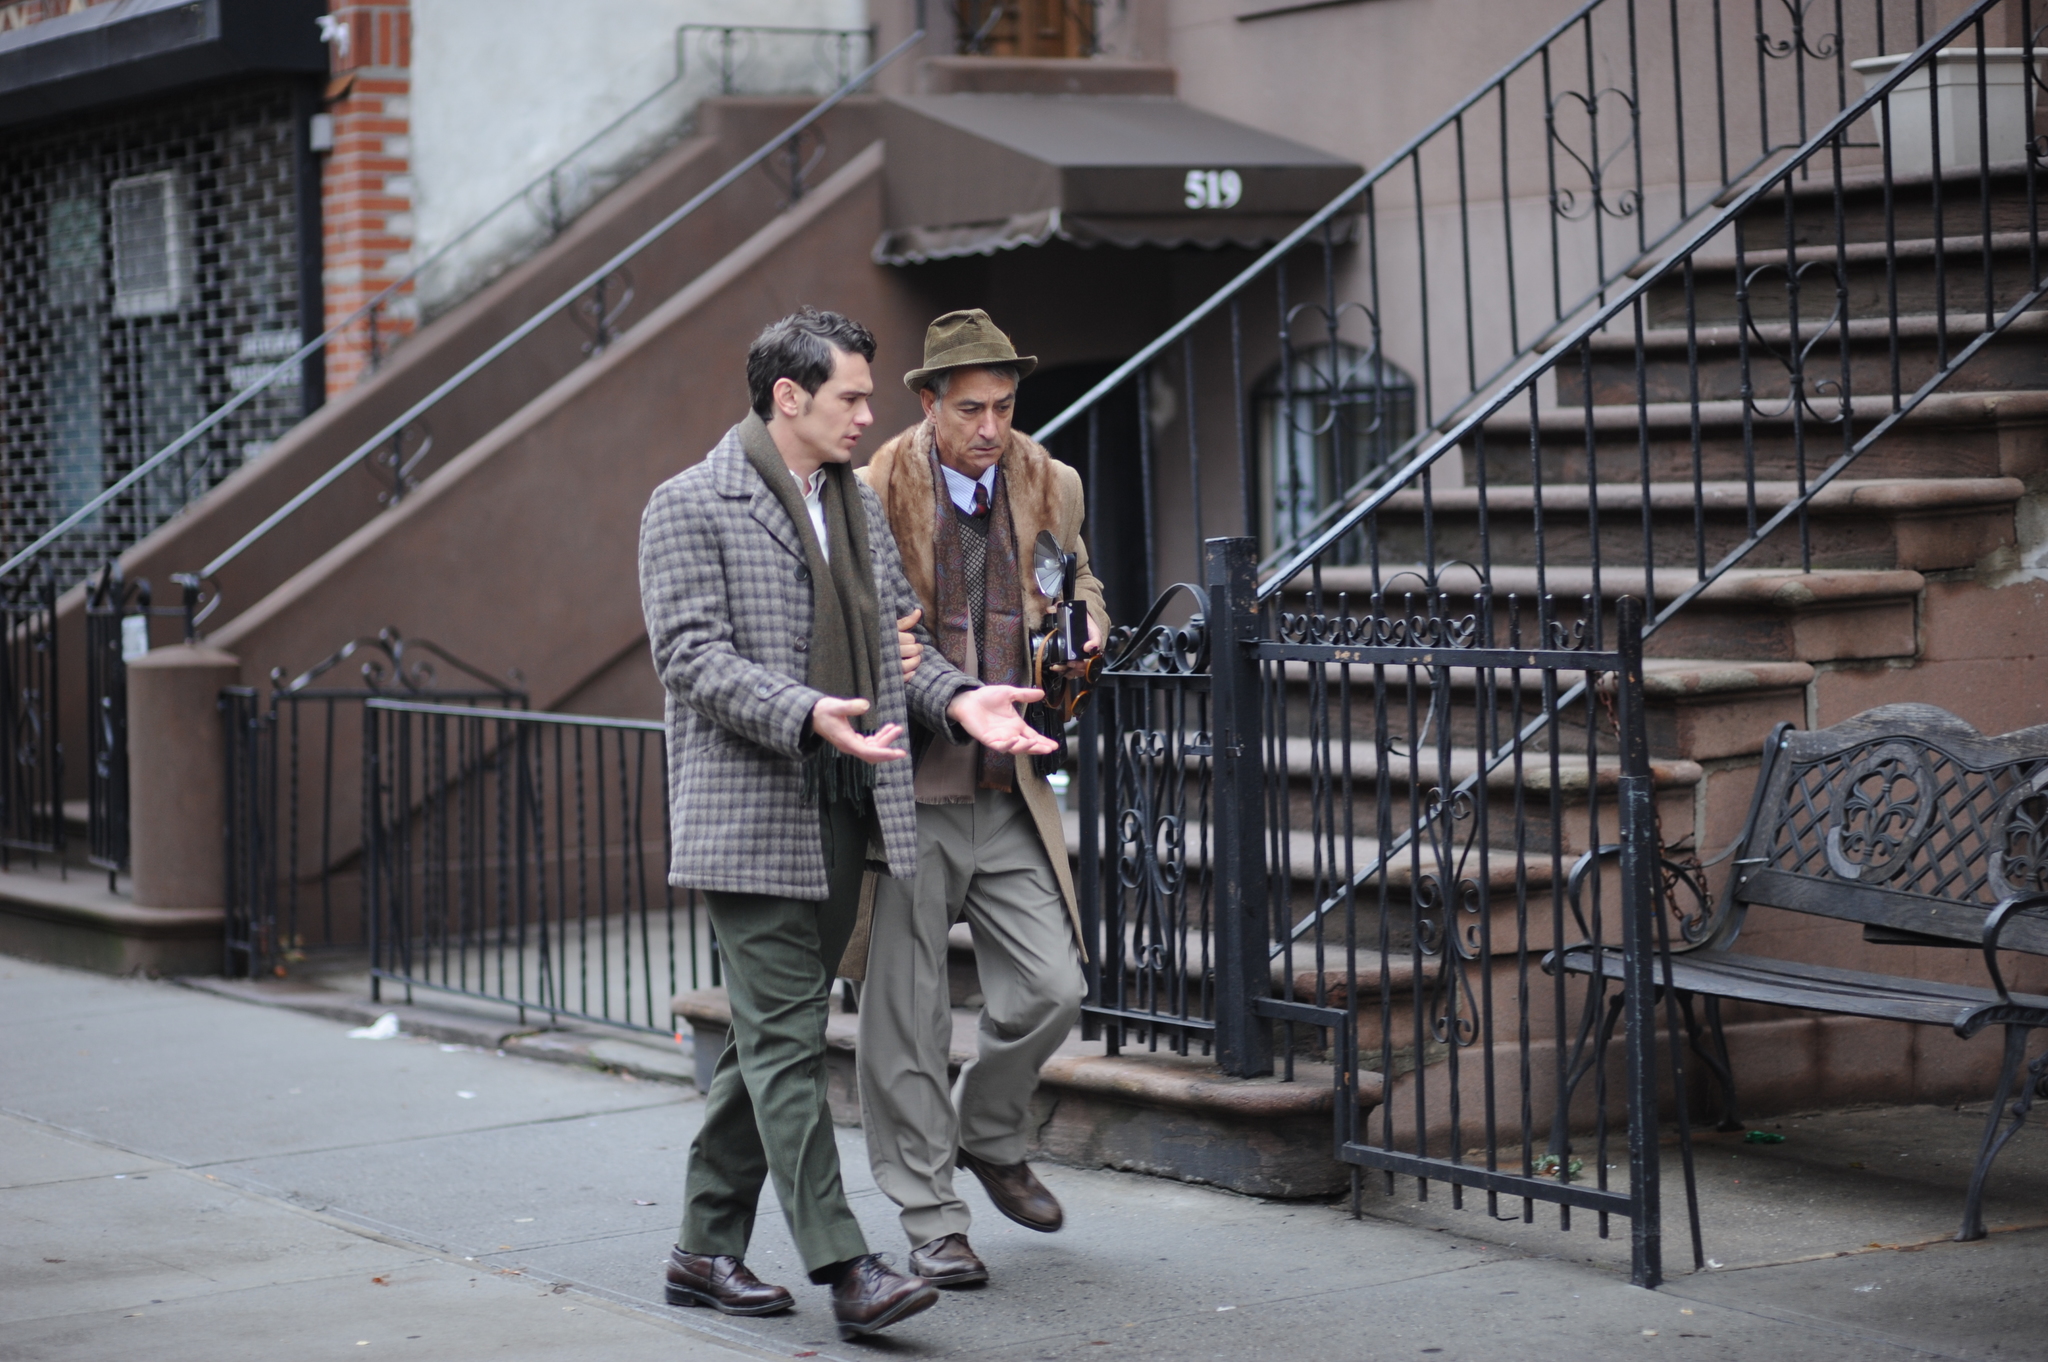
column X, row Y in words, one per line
column 801, row 348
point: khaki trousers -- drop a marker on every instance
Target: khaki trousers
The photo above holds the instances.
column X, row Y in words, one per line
column 766, row 1114
column 984, row 862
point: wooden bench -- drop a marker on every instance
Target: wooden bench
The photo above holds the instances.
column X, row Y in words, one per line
column 1904, row 820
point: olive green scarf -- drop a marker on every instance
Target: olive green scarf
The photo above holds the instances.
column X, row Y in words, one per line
column 846, row 619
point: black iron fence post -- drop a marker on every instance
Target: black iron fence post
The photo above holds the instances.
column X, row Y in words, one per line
column 1639, row 855
column 1087, row 791
column 1244, row 1041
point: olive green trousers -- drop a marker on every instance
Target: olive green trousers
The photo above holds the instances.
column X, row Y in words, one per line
column 766, row 1114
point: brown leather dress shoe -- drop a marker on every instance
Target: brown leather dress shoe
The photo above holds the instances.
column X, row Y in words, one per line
column 948, row 1261
column 1017, row 1192
column 873, row 1296
column 723, row 1284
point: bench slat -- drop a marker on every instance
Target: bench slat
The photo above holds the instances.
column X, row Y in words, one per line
column 1814, row 988
column 1872, row 905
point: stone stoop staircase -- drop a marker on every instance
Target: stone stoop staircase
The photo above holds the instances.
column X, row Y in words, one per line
column 1915, row 590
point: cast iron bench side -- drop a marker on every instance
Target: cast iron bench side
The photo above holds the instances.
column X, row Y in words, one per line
column 1903, row 819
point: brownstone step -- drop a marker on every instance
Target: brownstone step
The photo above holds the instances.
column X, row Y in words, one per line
column 1923, row 524
column 2014, row 361
column 1949, row 434
column 1868, row 278
column 1148, row 1111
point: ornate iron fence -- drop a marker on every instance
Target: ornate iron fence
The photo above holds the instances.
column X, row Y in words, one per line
column 1354, row 824
column 523, row 858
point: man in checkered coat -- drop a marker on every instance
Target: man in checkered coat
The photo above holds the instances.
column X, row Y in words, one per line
column 772, row 591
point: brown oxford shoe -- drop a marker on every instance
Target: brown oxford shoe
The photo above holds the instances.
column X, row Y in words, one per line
column 948, row 1261
column 871, row 1296
column 723, row 1284
column 1017, row 1192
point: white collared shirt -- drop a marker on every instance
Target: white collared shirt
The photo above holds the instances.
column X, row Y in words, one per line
column 960, row 487
column 814, row 500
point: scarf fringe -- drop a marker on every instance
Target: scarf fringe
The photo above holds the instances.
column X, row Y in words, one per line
column 830, row 775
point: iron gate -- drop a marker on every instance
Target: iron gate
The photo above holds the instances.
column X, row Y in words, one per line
column 295, row 816
column 523, row 858
column 1353, row 835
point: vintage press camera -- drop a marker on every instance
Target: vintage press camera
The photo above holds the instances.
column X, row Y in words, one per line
column 1062, row 641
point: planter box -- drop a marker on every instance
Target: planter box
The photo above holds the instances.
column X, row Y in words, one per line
column 1955, row 97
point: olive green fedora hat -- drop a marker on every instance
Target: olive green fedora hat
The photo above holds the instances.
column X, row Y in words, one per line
column 965, row 340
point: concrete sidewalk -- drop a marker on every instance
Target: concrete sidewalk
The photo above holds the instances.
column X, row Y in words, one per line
column 183, row 1175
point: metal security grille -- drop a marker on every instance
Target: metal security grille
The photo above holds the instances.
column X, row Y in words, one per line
column 149, row 270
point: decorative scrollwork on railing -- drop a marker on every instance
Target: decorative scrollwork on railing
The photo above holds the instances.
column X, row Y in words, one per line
column 1822, row 48
column 392, row 663
column 599, row 310
column 1565, row 202
column 1154, row 649
column 397, row 460
column 1799, row 389
column 1151, row 853
column 1447, row 920
column 1377, row 629
column 1882, row 811
column 1343, row 375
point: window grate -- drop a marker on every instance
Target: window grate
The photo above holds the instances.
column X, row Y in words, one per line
column 148, row 272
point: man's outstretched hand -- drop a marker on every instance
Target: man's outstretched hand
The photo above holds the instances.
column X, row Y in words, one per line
column 831, row 719
column 990, row 716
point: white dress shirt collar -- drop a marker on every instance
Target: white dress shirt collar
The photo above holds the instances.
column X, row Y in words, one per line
column 814, row 501
column 961, row 487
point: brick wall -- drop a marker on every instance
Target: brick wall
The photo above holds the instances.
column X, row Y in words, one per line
column 21, row 13
column 366, row 182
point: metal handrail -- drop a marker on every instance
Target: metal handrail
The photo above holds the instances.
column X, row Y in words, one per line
column 1626, row 301
column 555, row 308
column 1407, row 156
column 250, row 391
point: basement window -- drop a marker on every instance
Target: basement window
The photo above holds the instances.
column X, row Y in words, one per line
column 152, row 245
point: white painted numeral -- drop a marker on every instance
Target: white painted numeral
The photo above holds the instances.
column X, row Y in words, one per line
column 1213, row 188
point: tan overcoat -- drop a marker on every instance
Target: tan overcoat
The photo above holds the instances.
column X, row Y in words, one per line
column 1045, row 494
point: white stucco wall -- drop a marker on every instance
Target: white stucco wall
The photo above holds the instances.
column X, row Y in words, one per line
column 504, row 89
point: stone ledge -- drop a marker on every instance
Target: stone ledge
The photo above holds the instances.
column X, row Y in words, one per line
column 77, row 922
column 1157, row 1113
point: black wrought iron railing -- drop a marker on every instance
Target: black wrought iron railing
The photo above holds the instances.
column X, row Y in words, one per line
column 1354, row 343
column 1448, row 653
column 295, row 811
column 523, row 858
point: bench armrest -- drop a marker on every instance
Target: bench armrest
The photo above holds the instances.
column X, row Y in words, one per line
column 1994, row 928
column 1694, row 930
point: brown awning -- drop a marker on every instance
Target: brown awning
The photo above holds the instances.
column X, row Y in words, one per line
column 975, row 174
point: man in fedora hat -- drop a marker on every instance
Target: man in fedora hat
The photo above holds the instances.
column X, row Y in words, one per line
column 966, row 497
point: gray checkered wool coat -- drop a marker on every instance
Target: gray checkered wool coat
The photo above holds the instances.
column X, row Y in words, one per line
column 727, row 597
